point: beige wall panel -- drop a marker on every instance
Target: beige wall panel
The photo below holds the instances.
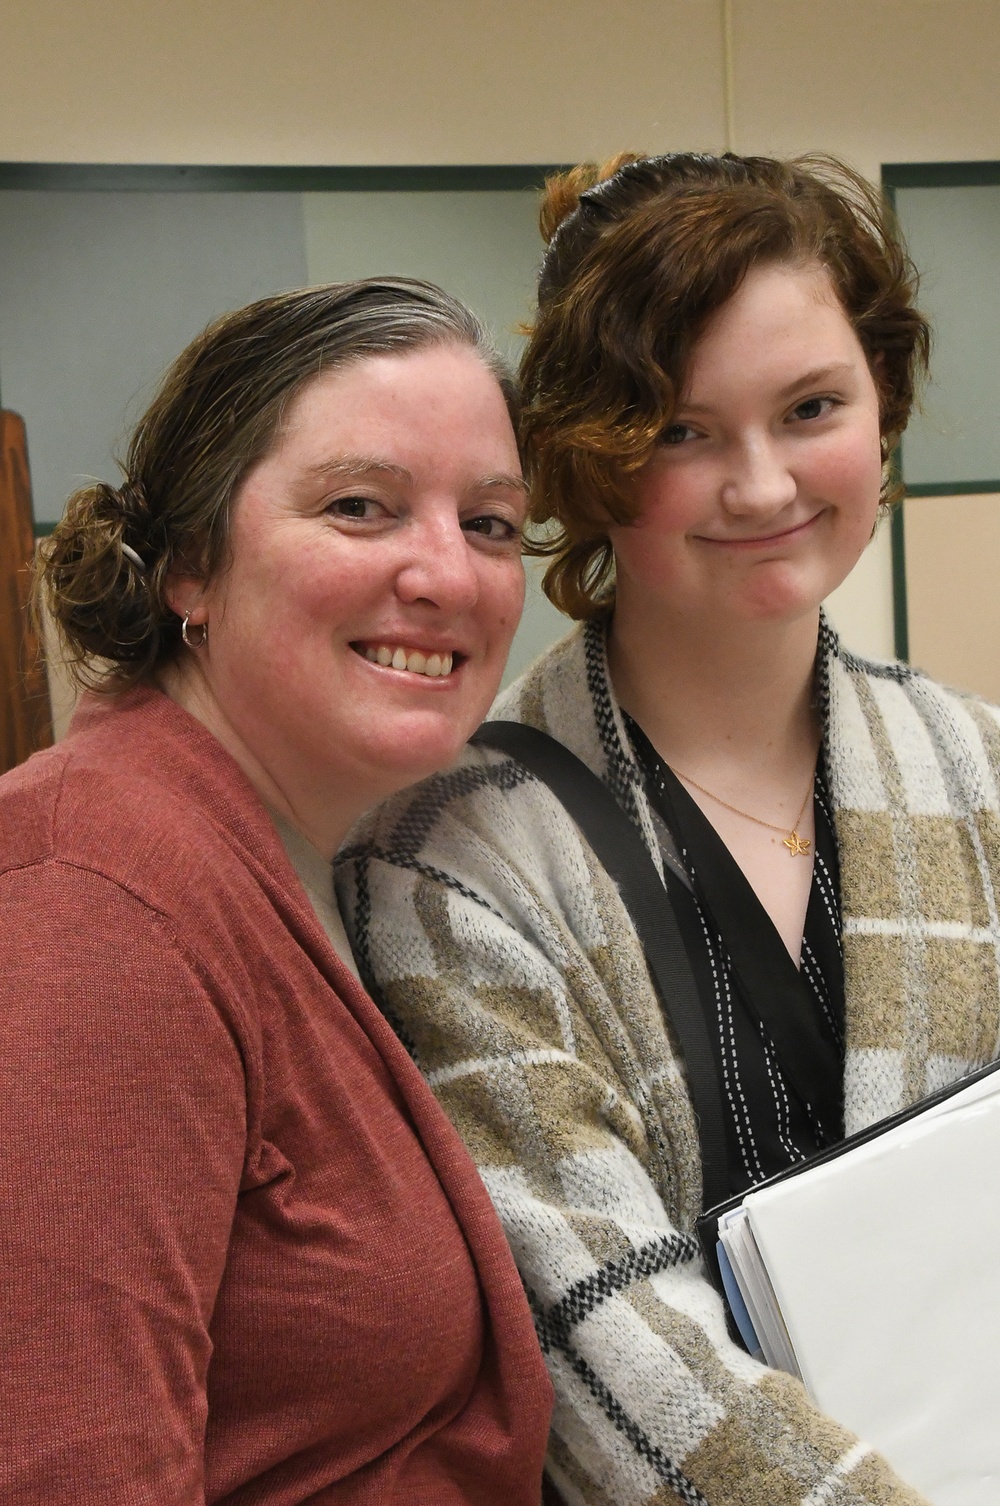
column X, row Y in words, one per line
column 873, row 80
column 952, row 551
column 356, row 81
column 861, row 609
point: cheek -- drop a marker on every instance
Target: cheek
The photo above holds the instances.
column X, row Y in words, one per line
column 502, row 602
column 652, row 548
column 670, row 506
column 671, row 497
column 286, row 605
column 277, row 617
column 851, row 472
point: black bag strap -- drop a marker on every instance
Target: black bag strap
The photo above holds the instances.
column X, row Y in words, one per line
column 623, row 854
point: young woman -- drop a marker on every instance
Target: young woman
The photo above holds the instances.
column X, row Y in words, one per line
column 245, row 1256
column 724, row 356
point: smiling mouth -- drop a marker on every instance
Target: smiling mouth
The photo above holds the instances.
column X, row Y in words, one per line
column 760, row 540
column 435, row 666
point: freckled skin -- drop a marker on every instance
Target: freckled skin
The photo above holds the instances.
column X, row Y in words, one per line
column 757, row 457
column 758, row 503
column 388, row 512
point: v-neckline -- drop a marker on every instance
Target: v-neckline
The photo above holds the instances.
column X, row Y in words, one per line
column 774, row 989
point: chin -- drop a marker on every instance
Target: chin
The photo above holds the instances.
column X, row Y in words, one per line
column 411, row 754
column 788, row 611
column 785, row 597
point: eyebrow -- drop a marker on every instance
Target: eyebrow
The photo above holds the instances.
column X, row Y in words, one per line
column 504, row 479
column 358, row 466
column 820, row 376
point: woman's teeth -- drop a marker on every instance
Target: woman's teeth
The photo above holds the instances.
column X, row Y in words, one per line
column 417, row 663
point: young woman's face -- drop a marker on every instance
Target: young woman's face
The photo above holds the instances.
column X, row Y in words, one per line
column 765, row 489
column 359, row 634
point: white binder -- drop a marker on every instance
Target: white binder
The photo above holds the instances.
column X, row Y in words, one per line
column 884, row 1264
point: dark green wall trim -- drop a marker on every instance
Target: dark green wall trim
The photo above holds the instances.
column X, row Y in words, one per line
column 939, row 174
column 160, row 178
column 900, row 614
column 42, row 530
column 950, row 488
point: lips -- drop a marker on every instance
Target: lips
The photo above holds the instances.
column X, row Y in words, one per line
column 761, row 540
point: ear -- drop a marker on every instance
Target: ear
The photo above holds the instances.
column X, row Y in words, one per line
column 186, row 595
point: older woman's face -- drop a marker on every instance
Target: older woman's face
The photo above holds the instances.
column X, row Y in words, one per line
column 360, row 632
column 765, row 489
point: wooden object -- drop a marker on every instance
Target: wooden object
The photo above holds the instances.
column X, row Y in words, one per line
column 25, row 716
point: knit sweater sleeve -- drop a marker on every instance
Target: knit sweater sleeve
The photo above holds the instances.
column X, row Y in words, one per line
column 504, row 956
column 121, row 1091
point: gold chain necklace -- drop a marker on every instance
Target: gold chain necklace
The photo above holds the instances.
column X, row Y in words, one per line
column 798, row 847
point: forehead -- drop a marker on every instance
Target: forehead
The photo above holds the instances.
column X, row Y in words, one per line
column 779, row 314
column 437, row 410
column 353, row 385
column 780, row 296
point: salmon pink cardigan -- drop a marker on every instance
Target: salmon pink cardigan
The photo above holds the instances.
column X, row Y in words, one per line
column 244, row 1256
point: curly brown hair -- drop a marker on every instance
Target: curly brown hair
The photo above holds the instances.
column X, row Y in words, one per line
column 641, row 252
column 105, row 571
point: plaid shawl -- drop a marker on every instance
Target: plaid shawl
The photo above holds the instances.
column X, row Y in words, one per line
column 504, row 956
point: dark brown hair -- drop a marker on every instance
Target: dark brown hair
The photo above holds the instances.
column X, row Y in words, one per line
column 105, row 569
column 641, row 252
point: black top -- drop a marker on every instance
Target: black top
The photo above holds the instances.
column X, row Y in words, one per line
column 777, row 1030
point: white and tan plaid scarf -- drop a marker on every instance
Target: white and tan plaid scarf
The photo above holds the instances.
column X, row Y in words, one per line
column 505, row 958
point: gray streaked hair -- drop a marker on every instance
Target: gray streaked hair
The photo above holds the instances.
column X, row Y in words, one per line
column 105, row 569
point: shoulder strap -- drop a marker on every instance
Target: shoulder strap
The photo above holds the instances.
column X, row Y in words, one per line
column 622, row 852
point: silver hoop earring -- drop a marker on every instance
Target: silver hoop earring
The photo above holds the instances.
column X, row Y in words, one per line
column 194, row 642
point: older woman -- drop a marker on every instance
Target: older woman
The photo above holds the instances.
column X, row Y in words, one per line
column 245, row 1256
column 724, row 355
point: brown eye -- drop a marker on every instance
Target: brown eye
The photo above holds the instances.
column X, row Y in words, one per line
column 488, row 526
column 675, row 434
column 353, row 507
column 813, row 407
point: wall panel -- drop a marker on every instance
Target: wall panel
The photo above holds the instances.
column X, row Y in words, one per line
column 324, row 81
column 952, row 563
column 872, row 80
column 100, row 291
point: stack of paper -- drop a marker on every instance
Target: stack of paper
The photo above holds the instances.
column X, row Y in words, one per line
column 875, row 1275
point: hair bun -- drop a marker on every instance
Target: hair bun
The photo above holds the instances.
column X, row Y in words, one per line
column 132, row 499
column 96, row 583
column 561, row 195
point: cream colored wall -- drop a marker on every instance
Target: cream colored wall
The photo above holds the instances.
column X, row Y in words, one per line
column 355, row 81
column 479, row 81
column 952, row 548
column 377, row 81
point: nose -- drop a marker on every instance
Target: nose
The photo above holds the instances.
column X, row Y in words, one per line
column 759, row 481
column 439, row 566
